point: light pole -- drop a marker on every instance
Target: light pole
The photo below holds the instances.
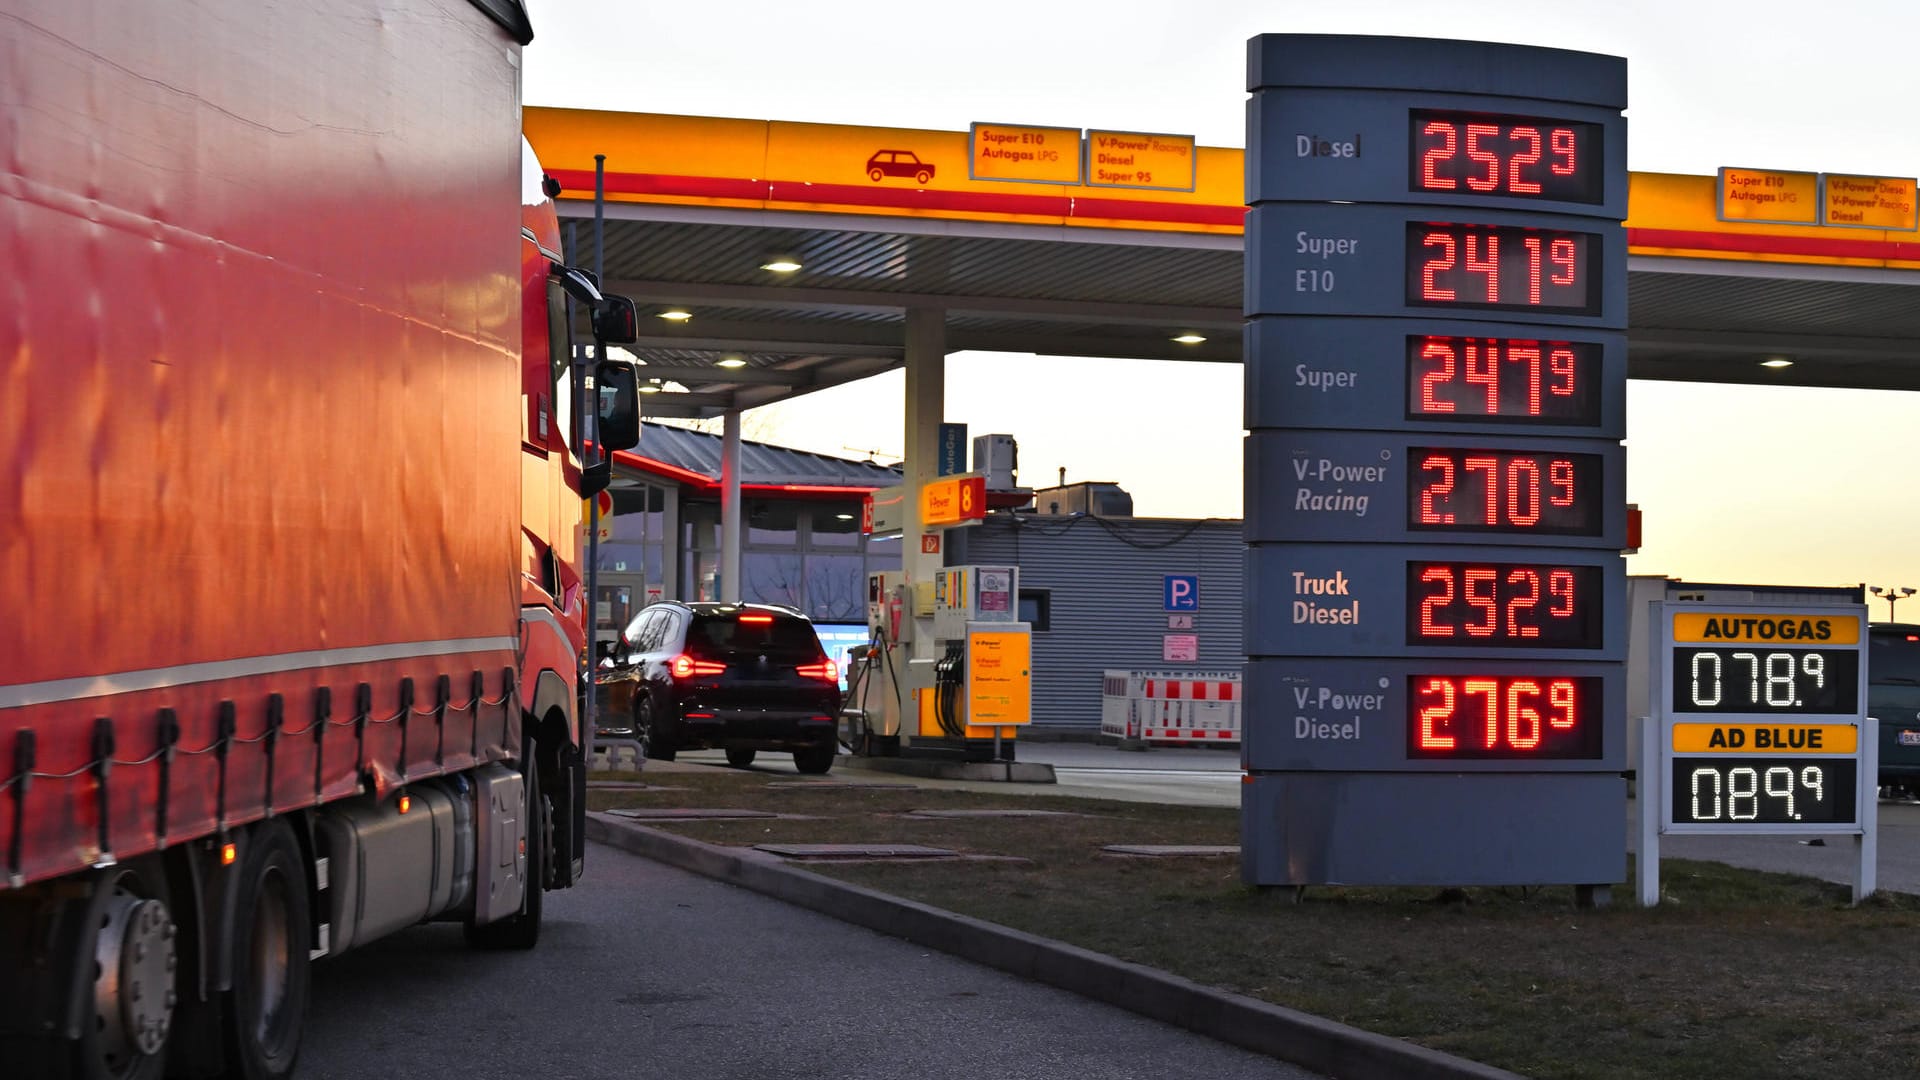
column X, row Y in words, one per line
column 1893, row 595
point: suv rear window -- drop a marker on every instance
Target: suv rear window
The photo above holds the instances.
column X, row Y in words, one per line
column 1893, row 670
column 782, row 636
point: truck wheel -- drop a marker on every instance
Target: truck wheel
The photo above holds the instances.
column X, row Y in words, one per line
column 521, row 930
column 658, row 741
column 815, row 760
column 128, row 942
column 266, row 1010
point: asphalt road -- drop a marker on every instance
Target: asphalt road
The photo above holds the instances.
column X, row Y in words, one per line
column 647, row 971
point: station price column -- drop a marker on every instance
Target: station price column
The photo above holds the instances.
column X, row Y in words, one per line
column 1435, row 500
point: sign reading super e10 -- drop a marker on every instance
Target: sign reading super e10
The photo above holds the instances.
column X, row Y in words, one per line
column 1436, row 361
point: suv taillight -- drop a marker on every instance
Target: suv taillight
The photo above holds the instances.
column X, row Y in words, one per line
column 685, row 667
column 824, row 669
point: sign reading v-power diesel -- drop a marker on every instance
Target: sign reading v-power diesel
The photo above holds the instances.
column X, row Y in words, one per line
column 1436, row 501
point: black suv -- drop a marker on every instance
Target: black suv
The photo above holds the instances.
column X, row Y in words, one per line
column 1893, row 697
column 741, row 677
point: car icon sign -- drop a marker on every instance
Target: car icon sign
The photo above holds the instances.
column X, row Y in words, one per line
column 903, row 163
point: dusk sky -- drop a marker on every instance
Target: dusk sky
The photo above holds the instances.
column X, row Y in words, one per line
column 1746, row 484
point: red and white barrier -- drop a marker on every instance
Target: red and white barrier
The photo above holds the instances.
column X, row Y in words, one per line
column 1171, row 707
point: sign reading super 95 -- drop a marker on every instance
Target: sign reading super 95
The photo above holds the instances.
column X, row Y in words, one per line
column 1436, row 303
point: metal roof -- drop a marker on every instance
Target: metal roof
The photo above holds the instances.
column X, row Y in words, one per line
column 686, row 450
column 1068, row 291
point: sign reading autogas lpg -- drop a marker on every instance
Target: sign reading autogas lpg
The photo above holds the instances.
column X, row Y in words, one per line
column 1040, row 155
column 1436, row 295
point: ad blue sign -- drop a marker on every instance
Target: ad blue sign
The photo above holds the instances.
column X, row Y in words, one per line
column 1183, row 592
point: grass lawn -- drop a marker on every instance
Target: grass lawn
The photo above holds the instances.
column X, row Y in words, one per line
column 1737, row 974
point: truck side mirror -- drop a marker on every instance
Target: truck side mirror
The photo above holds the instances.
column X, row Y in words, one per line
column 615, row 322
column 617, row 403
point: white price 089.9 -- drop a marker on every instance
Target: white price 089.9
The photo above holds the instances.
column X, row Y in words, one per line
column 1772, row 680
column 1737, row 792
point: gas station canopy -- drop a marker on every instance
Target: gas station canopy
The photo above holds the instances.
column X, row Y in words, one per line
column 701, row 213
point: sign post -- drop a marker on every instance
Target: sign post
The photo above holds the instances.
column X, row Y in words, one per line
column 1436, row 373
column 1759, row 727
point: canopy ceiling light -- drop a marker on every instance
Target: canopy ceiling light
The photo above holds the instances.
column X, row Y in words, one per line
column 1777, row 362
column 1190, row 339
column 781, row 265
column 730, row 362
column 676, row 315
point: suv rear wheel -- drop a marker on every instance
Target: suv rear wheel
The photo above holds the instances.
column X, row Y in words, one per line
column 646, row 728
column 815, row 760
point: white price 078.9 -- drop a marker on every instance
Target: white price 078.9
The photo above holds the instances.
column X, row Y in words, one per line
column 1772, row 680
column 1737, row 793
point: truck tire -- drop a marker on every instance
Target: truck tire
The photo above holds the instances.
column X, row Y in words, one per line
column 127, row 939
column 266, row 1010
column 521, row 930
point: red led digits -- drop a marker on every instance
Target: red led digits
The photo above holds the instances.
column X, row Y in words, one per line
column 1500, row 716
column 1509, row 379
column 1501, row 266
column 1511, row 156
column 1504, row 491
column 1506, row 604
column 1436, row 714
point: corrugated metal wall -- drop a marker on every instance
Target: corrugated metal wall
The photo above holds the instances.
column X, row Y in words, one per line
column 1107, row 578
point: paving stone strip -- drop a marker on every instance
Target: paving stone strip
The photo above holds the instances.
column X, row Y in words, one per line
column 690, row 813
column 1172, row 850
column 834, row 785
column 628, row 785
column 989, row 813
column 856, row 851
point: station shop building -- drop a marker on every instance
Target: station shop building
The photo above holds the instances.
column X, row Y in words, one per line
column 1092, row 577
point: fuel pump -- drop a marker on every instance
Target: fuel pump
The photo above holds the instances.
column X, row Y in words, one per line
column 983, row 670
column 879, row 686
column 966, row 700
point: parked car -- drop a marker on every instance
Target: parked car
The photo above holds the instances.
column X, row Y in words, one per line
column 1893, row 697
column 740, row 677
column 898, row 163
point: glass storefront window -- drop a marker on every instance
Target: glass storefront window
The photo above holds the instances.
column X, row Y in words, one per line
column 836, row 588
column 883, row 553
column 771, row 577
column 836, row 526
column 770, row 522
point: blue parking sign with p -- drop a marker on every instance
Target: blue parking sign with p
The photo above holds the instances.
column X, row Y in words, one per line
column 1183, row 592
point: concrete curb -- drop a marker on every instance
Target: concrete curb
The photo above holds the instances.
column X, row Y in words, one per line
column 1309, row 1041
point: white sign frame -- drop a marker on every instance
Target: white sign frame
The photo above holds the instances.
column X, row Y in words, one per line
column 1655, row 802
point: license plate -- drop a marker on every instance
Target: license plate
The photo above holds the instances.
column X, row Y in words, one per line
column 1910, row 738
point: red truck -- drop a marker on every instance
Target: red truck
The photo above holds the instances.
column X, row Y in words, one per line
column 291, row 470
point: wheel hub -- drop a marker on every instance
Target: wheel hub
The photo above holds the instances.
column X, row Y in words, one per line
column 134, row 962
